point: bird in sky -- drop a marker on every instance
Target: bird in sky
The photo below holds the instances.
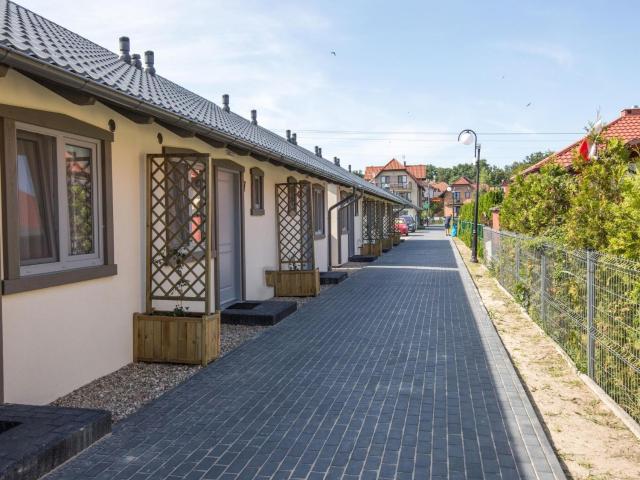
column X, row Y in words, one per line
column 528, row 104
column 333, row 53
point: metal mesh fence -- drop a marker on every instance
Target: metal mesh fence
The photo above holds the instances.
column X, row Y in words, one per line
column 588, row 302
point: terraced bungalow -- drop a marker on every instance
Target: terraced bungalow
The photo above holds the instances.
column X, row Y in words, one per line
column 124, row 192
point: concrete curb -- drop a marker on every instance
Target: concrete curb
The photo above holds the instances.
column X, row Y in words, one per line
column 487, row 330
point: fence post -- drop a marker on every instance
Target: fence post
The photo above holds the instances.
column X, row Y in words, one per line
column 591, row 267
column 517, row 260
column 543, row 287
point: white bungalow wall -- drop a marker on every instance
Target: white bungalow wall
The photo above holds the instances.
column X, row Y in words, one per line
column 59, row 338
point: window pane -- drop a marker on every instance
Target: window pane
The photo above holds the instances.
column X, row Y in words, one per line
column 196, row 188
column 37, row 198
column 257, row 192
column 79, row 166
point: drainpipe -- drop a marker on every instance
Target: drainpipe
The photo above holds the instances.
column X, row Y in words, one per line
column 345, row 202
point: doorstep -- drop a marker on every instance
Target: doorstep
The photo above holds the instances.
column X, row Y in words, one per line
column 268, row 312
column 362, row 258
column 332, row 278
column 36, row 439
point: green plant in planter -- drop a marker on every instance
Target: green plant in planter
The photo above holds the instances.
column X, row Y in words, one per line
column 179, row 257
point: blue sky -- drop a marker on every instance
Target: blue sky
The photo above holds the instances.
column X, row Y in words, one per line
column 416, row 67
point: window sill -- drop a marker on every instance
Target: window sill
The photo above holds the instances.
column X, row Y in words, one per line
column 318, row 236
column 256, row 212
column 37, row 282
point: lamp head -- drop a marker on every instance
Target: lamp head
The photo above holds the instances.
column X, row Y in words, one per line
column 466, row 138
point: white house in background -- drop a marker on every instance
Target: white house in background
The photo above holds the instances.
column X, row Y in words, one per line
column 406, row 181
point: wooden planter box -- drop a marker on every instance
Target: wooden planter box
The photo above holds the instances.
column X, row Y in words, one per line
column 294, row 283
column 373, row 249
column 168, row 339
column 396, row 239
column 387, row 243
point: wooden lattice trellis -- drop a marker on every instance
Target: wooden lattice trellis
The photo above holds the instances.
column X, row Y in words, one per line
column 387, row 220
column 178, row 229
column 371, row 222
column 295, row 226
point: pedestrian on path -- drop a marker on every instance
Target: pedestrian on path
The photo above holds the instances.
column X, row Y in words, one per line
column 447, row 224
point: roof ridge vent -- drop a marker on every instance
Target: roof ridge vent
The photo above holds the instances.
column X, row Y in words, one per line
column 254, row 117
column 149, row 61
column 125, row 46
column 225, row 103
column 135, row 59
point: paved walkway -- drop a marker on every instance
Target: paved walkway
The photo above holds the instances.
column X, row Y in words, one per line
column 395, row 373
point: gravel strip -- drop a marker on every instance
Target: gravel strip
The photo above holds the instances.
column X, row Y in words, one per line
column 129, row 388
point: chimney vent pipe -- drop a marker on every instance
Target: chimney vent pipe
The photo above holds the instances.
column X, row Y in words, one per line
column 148, row 61
column 125, row 46
column 349, row 167
column 135, row 58
column 294, row 138
column 336, row 160
column 225, row 102
column 288, row 136
column 254, row 117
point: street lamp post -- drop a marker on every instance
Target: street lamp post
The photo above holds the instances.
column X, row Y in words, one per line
column 467, row 137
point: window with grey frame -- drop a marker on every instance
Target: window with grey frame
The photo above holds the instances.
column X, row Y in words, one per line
column 257, row 191
column 318, row 211
column 59, row 200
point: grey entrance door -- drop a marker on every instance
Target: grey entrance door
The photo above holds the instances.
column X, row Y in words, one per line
column 229, row 242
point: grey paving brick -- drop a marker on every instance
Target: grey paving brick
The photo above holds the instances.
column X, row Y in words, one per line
column 395, row 373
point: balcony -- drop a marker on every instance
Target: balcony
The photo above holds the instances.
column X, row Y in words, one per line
column 404, row 187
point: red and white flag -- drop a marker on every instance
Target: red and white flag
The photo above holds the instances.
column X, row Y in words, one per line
column 584, row 149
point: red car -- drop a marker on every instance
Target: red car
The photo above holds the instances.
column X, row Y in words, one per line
column 401, row 227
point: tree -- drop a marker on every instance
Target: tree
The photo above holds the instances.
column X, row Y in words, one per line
column 625, row 220
column 538, row 204
column 531, row 159
column 599, row 193
column 487, row 201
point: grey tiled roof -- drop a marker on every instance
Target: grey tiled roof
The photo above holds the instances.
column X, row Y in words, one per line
column 30, row 35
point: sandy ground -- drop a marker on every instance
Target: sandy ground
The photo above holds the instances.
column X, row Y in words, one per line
column 589, row 439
